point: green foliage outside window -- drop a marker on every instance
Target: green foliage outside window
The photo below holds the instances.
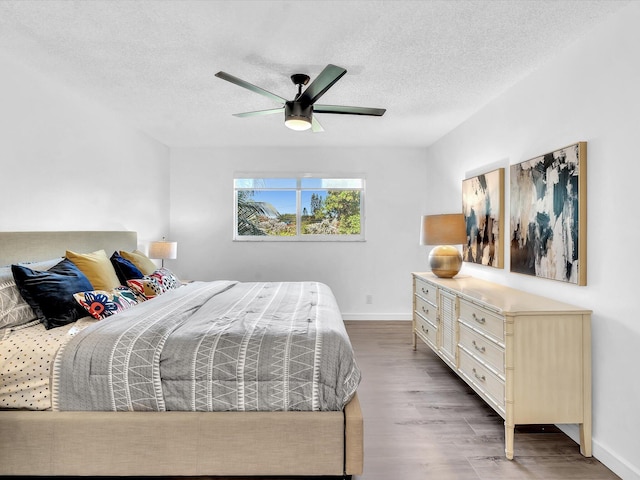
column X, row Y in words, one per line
column 316, row 212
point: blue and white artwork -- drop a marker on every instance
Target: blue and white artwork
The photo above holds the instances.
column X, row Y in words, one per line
column 482, row 206
column 548, row 215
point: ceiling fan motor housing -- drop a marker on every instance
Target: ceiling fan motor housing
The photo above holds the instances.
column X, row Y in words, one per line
column 297, row 116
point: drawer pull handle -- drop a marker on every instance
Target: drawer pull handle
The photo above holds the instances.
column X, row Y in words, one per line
column 425, row 310
column 479, row 319
column 425, row 330
column 482, row 378
column 480, row 349
column 424, row 290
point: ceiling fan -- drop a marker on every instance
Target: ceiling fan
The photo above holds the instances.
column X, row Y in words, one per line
column 298, row 113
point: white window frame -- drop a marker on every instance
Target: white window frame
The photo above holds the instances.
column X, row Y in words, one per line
column 299, row 237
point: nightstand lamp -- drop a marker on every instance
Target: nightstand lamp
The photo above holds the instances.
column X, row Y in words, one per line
column 163, row 250
column 444, row 231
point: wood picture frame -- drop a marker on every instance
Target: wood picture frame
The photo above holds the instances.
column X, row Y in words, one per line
column 483, row 209
column 548, row 215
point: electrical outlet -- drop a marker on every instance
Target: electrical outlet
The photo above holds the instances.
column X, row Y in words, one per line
column 369, row 299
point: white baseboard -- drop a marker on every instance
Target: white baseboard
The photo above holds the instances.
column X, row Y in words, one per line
column 617, row 465
column 376, row 316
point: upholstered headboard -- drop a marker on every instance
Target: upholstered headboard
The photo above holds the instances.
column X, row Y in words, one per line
column 35, row 246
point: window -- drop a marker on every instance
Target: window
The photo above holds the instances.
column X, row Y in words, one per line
column 299, row 208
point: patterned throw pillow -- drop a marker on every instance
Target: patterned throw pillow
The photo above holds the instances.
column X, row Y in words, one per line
column 148, row 287
column 166, row 279
column 14, row 310
column 160, row 281
column 102, row 304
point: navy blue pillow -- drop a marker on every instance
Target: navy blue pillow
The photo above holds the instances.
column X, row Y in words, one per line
column 125, row 269
column 50, row 293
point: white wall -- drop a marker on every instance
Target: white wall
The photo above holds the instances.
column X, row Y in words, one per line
column 202, row 223
column 590, row 92
column 67, row 163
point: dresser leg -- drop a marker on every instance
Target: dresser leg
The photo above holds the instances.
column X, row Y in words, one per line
column 415, row 341
column 508, row 440
column 585, row 439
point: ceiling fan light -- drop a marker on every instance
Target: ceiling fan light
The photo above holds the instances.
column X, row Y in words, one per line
column 298, row 123
column 297, row 117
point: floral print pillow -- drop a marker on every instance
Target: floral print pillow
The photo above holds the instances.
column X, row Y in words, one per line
column 101, row 304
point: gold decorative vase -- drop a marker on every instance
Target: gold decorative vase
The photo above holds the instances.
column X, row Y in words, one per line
column 445, row 261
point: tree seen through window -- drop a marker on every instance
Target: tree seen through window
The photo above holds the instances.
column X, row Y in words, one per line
column 300, row 208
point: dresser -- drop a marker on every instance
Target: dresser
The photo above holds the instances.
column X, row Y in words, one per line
column 527, row 356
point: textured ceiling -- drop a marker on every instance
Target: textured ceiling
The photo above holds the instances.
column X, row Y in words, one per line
column 431, row 64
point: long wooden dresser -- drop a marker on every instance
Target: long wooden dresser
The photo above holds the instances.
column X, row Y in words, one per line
column 527, row 356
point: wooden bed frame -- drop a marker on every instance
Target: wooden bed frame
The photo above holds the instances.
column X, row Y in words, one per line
column 167, row 443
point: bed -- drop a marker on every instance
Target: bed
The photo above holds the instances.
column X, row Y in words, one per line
column 73, row 438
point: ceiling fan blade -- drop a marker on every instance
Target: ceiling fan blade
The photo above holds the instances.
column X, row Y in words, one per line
column 323, row 82
column 249, row 86
column 315, row 125
column 378, row 112
column 258, row 113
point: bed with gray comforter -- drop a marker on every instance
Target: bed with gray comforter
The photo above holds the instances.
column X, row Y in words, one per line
column 213, row 346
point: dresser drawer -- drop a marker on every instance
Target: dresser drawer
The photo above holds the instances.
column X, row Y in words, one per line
column 427, row 310
column 427, row 330
column 426, row 290
column 482, row 348
column 483, row 379
column 483, row 320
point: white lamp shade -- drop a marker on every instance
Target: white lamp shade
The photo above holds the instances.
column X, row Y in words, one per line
column 163, row 250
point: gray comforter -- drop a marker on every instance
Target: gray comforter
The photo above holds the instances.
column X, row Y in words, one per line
column 213, row 346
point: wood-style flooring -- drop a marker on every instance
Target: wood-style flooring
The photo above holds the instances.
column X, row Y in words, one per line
column 423, row 422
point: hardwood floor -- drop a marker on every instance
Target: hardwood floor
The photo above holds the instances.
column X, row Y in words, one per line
column 422, row 421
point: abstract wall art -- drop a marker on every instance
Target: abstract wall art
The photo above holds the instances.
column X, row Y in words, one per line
column 483, row 209
column 548, row 215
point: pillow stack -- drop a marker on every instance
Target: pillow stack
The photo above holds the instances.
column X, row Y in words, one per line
column 61, row 291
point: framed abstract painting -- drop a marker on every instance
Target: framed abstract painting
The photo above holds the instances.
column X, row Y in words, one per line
column 548, row 215
column 483, row 209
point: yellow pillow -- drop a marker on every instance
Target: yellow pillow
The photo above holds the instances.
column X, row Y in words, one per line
column 140, row 260
column 97, row 267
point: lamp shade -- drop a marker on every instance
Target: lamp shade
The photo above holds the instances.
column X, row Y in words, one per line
column 447, row 229
column 163, row 250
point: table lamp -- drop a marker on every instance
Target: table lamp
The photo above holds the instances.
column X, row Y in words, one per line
column 444, row 231
column 163, row 250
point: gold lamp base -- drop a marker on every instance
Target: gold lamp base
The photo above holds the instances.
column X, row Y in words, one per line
column 445, row 261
